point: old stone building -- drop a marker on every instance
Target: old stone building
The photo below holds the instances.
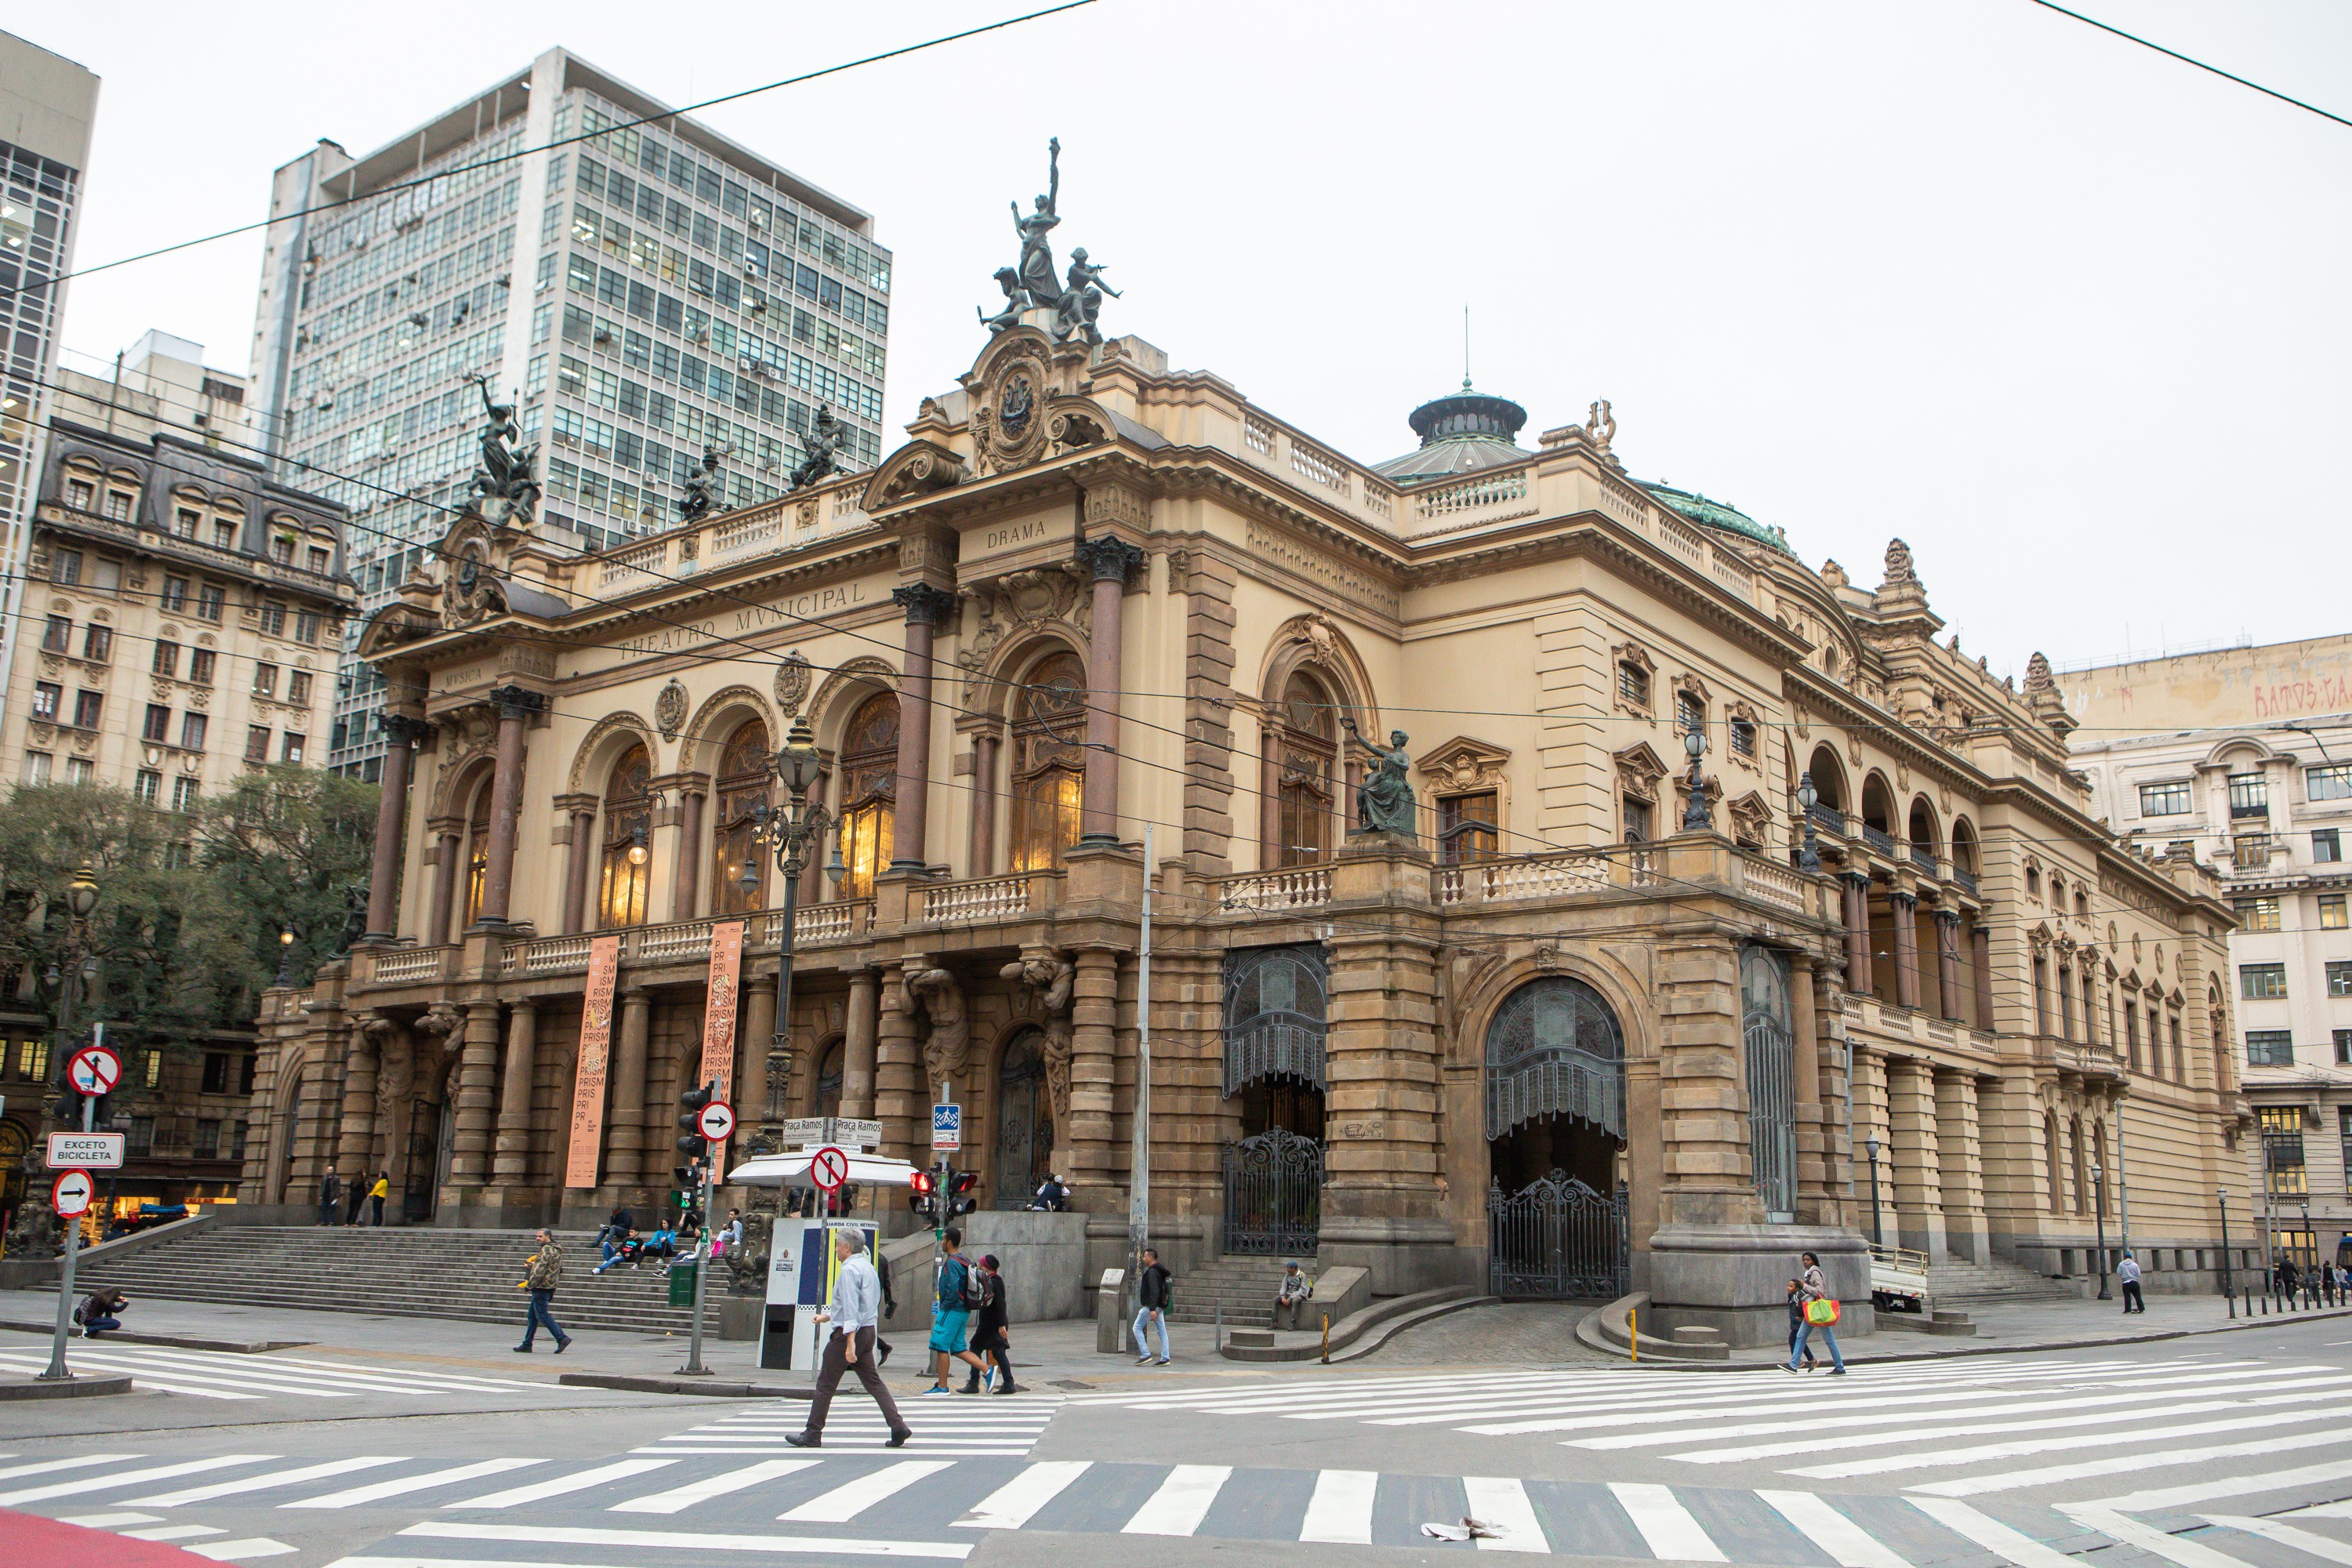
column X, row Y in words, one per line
column 1569, row 1028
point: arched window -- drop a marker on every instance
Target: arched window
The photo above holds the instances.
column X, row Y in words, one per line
column 477, row 850
column 1049, row 720
column 1877, row 808
column 2074, row 1155
column 825, row 1089
column 1306, row 742
column 1555, row 1049
column 1923, row 829
column 744, row 776
column 869, row 784
column 629, row 826
column 1964, row 847
column 2049, row 1158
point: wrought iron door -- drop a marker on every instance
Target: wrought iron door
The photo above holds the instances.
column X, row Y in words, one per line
column 1772, row 1080
column 1024, row 1126
column 1556, row 1239
column 1273, row 1194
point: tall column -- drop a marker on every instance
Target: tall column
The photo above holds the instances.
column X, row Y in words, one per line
column 1960, row 1152
column 899, row 1092
column 983, row 804
column 858, row 1048
column 925, row 606
column 1110, row 558
column 445, row 885
column 1904, row 909
column 1094, row 1014
column 1980, row 965
column 1269, row 800
column 625, row 1138
column 1813, row 1124
column 1919, row 1172
column 688, row 888
column 362, row 1062
column 580, row 863
column 1948, row 963
column 1857, row 931
column 401, row 734
column 511, row 1167
column 515, row 706
column 751, row 1078
column 470, row 1154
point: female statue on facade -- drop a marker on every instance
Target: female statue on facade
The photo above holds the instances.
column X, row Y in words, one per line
column 1036, row 270
column 1384, row 801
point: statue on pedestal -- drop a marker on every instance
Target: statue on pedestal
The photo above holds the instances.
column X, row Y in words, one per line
column 505, row 481
column 1081, row 303
column 1036, row 273
column 703, row 489
column 1384, row 801
column 822, row 443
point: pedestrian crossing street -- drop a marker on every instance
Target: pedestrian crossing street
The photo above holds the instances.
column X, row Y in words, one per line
column 218, row 1374
column 613, row 1511
column 1957, row 1428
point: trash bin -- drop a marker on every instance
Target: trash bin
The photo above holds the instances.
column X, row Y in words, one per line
column 681, row 1283
column 776, row 1341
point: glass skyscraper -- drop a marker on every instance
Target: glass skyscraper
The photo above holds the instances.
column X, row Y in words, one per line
column 640, row 294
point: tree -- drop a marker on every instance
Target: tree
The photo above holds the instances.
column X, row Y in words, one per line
column 291, row 849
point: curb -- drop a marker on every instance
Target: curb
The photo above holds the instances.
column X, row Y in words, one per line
column 1404, row 1320
column 174, row 1341
column 78, row 1387
column 708, row 1389
column 2091, row 1342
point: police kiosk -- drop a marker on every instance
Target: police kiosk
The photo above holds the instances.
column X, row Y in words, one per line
column 800, row 1262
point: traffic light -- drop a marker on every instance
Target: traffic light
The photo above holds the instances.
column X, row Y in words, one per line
column 692, row 1143
column 921, row 1194
column 959, row 1183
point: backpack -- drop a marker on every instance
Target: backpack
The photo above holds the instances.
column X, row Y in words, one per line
column 975, row 1290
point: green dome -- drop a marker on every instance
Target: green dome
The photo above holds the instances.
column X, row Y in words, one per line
column 1715, row 514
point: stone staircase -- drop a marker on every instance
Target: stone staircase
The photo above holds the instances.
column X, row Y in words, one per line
column 1962, row 1286
column 1243, row 1286
column 402, row 1271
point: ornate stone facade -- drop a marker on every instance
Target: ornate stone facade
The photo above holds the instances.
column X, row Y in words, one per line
column 1016, row 658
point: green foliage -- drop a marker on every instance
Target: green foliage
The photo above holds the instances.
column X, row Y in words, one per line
column 190, row 904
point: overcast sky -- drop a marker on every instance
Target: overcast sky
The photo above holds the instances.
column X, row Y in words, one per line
column 2068, row 316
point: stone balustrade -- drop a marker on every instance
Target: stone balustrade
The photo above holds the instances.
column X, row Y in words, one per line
column 1301, row 888
column 410, row 966
column 975, row 902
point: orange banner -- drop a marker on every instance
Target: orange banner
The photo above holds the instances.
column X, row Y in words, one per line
column 579, row 1167
column 719, row 1023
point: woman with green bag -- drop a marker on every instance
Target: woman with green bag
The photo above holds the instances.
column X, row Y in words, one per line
column 1821, row 1311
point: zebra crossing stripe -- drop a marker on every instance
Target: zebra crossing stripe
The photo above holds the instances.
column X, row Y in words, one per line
column 1181, row 1503
column 2148, row 1539
column 377, row 1492
column 2158, row 1497
column 2010, row 1480
column 167, row 1384
column 263, row 1482
column 579, row 1480
column 1945, row 1457
column 1665, row 1524
column 239, row 1550
column 2319, row 1546
column 81, row 1461
column 1502, row 1501
column 151, row 1473
column 678, row 1499
column 173, row 1532
column 2012, row 1545
column 1341, row 1508
column 1018, row 1501
column 658, row 1540
column 1848, row 1545
column 847, row 1501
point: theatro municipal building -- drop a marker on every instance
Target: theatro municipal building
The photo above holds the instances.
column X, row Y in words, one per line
column 1557, row 885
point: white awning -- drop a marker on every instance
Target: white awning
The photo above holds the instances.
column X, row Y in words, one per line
column 793, row 1171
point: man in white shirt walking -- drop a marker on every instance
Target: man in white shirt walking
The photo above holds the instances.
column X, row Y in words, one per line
column 2128, row 1272
column 855, row 1313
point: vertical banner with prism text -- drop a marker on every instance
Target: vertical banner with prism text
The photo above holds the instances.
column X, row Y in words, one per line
column 719, row 1026
column 580, row 1165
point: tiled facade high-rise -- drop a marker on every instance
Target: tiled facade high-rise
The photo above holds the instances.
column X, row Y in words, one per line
column 638, row 296
column 48, row 104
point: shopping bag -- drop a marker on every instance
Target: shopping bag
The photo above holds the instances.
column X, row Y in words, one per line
column 1821, row 1312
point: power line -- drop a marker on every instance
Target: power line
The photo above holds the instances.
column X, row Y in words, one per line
column 2186, row 59
column 560, row 141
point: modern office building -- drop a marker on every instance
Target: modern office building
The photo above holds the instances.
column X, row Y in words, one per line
column 637, row 285
column 2242, row 757
column 191, row 399
column 48, row 105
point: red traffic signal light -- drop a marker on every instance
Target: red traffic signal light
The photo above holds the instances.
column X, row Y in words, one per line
column 921, row 1184
column 964, row 1181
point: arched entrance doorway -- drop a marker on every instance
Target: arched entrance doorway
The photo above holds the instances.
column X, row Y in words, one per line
column 1273, row 1037
column 293, row 1102
column 1024, row 1122
column 1555, row 1124
column 1771, row 1042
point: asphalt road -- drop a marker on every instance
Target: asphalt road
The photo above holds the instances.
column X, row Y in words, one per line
column 2223, row 1451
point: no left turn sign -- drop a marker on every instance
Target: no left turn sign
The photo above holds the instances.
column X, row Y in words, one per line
column 72, row 1194
column 829, row 1168
column 94, row 1070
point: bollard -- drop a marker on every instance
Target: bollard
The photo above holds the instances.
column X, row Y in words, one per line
column 1327, row 1339
column 1221, row 1329
column 1633, row 1335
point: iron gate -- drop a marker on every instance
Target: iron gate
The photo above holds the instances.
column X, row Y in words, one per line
column 1556, row 1239
column 1772, row 1115
column 1273, row 1194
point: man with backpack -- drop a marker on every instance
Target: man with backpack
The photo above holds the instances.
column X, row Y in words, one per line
column 959, row 1294
column 1153, row 1296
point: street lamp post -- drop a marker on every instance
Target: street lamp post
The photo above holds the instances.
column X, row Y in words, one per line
column 1809, row 858
column 2222, row 1196
column 1877, row 1229
column 790, row 831
column 1696, row 818
column 285, row 958
column 82, row 897
column 2099, row 1218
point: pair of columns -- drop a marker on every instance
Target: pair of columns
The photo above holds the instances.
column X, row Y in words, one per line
column 1109, row 560
column 1932, row 1168
column 1855, row 887
column 515, row 705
